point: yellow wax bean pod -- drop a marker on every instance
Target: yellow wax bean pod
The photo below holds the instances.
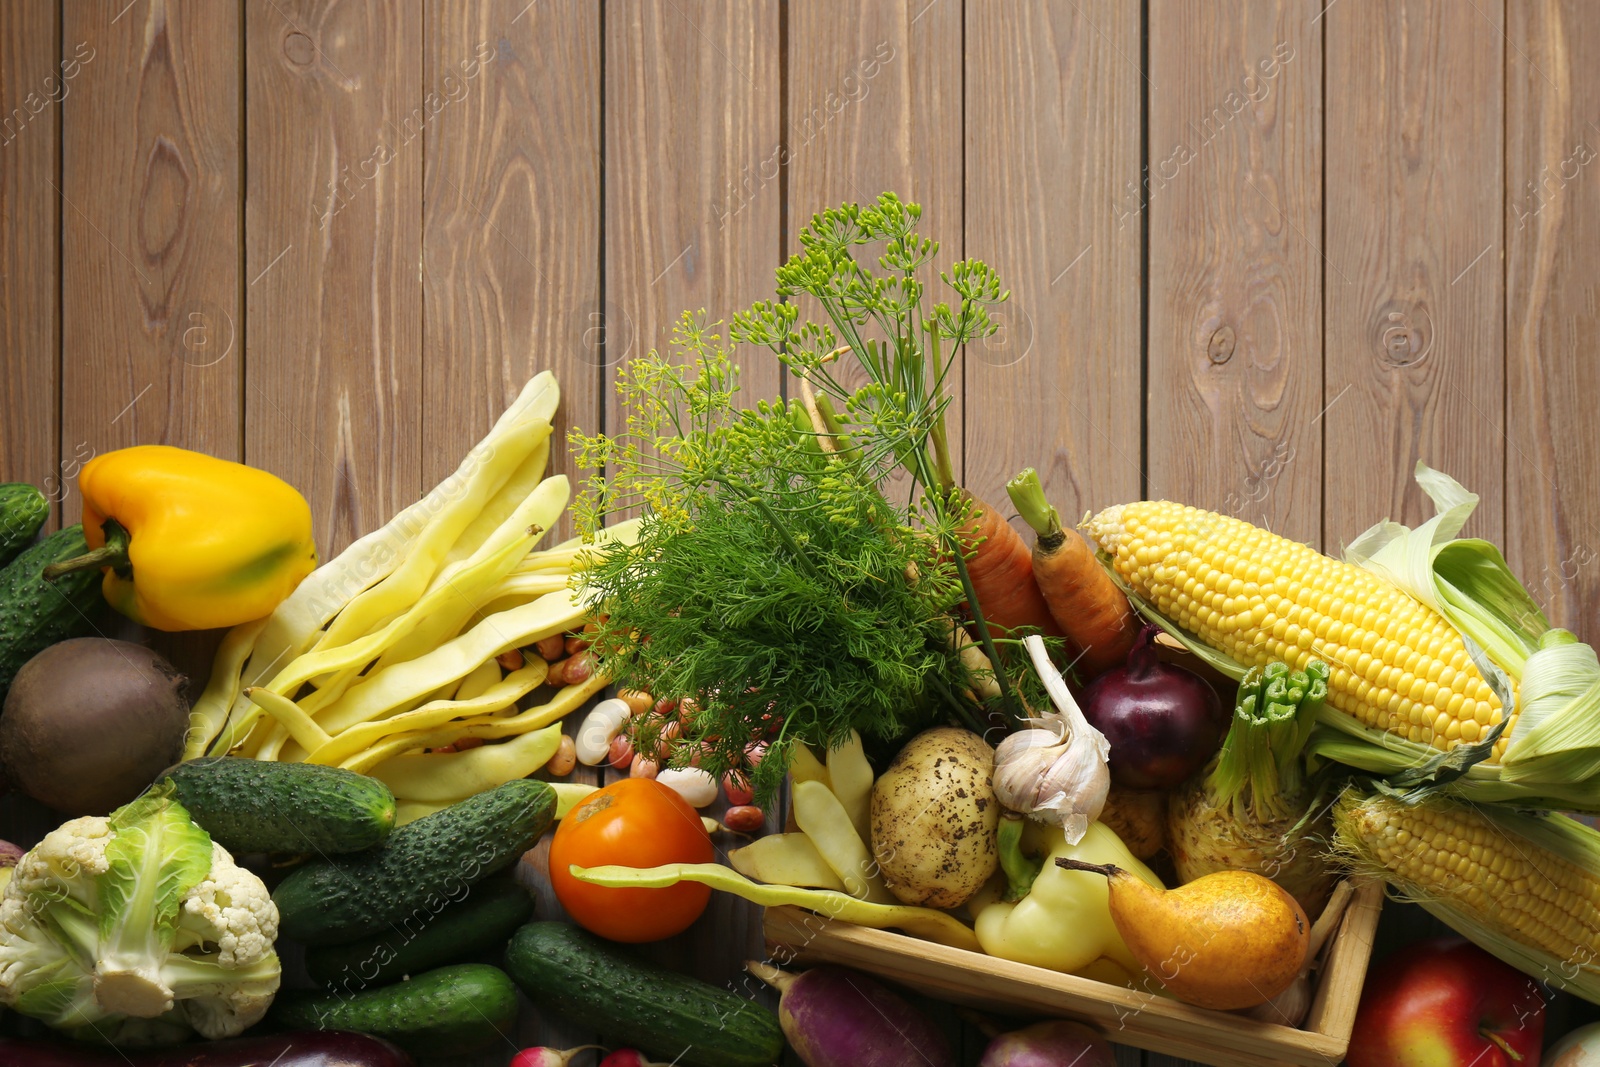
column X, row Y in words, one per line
column 443, row 600
column 400, row 589
column 785, row 859
column 569, row 795
column 399, row 744
column 571, row 555
column 478, row 682
column 382, row 691
column 210, row 712
column 567, row 699
column 524, row 586
column 555, row 561
column 500, row 695
column 289, row 715
column 460, row 587
column 411, row 810
column 296, row 622
column 823, row 819
column 523, row 481
column 485, row 727
column 850, row 778
column 271, row 744
column 805, row 767
column 405, row 688
column 443, row 776
column 926, row 923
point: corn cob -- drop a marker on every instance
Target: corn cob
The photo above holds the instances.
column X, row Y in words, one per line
column 1526, row 888
column 1398, row 665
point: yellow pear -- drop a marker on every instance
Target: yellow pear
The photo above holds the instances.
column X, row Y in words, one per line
column 1228, row 940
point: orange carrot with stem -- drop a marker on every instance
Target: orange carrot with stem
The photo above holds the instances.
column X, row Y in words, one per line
column 1079, row 594
column 1001, row 572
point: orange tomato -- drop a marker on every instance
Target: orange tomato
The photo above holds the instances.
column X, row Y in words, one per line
column 636, row 822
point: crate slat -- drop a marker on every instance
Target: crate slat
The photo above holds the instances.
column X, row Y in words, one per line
column 1125, row 1016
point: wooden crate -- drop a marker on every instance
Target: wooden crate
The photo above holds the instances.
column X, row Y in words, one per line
column 1124, row 1016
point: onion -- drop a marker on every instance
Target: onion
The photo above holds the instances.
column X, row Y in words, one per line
column 1163, row 722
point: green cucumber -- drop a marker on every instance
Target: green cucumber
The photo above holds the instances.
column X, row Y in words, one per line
column 484, row 920
column 421, row 868
column 249, row 805
column 34, row 613
column 598, row 986
column 23, row 510
column 449, row 1011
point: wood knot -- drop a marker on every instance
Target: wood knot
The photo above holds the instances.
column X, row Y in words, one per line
column 299, row 49
column 1220, row 348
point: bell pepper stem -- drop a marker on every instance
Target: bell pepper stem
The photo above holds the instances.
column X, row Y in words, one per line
column 1020, row 869
column 1109, row 870
column 113, row 554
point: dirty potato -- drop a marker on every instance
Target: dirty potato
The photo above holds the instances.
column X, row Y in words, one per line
column 934, row 816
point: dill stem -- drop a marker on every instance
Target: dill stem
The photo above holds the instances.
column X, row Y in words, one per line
column 755, row 500
column 1006, row 696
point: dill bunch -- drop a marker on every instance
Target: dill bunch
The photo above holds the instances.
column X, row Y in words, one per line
column 772, row 582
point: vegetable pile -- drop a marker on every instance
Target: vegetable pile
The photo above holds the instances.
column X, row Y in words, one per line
column 1159, row 754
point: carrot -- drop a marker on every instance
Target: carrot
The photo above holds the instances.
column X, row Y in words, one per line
column 1082, row 598
column 1002, row 573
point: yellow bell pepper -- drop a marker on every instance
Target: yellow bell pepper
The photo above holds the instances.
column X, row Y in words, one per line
column 189, row 541
column 1037, row 913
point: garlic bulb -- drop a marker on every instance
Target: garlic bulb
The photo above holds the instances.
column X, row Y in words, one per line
column 1056, row 770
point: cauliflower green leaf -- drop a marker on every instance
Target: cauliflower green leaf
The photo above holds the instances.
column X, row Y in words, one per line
column 137, row 929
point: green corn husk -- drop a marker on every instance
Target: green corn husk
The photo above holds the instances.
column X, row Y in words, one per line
column 1545, row 674
column 1540, row 912
column 1248, row 810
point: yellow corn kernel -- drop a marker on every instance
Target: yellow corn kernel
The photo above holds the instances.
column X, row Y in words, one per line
column 1259, row 597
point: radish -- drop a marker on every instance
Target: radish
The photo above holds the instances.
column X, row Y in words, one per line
column 547, row 1057
column 627, row 1057
column 1049, row 1044
column 839, row 1018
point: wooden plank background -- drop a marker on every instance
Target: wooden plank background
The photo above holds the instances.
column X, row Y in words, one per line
column 1264, row 255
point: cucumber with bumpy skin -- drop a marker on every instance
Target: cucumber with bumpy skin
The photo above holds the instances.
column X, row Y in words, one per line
column 488, row 915
column 421, row 868
column 23, row 510
column 34, row 613
column 564, row 969
column 450, row 1011
column 249, row 805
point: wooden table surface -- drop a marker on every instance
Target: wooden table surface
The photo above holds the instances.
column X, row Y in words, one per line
column 1264, row 256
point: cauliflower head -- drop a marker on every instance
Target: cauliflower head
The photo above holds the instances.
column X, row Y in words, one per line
column 137, row 929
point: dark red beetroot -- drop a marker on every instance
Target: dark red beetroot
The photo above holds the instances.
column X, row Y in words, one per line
column 838, row 1018
column 304, row 1048
column 1162, row 721
column 1049, row 1044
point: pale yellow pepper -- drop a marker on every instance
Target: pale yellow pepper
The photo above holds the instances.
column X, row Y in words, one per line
column 1062, row 921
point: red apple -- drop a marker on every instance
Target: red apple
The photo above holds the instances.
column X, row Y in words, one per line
column 1447, row 1003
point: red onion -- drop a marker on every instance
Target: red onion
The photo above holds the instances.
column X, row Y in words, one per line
column 1163, row 722
column 1049, row 1044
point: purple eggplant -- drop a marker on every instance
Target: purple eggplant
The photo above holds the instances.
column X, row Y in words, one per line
column 838, row 1018
column 1049, row 1044
column 301, row 1048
